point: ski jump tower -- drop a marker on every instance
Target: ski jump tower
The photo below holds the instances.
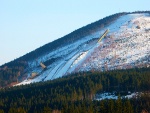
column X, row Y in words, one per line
column 104, row 34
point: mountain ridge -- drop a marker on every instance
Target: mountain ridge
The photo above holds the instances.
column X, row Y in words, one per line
column 78, row 48
column 68, row 35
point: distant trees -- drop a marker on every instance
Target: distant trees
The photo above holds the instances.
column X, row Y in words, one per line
column 11, row 72
column 1, row 111
column 16, row 110
column 75, row 93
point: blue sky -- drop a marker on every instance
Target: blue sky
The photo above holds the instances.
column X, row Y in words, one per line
column 28, row 24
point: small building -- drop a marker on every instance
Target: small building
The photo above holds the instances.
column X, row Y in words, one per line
column 32, row 75
column 42, row 65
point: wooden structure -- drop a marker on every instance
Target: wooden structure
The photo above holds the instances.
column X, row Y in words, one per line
column 33, row 75
column 42, row 65
column 104, row 34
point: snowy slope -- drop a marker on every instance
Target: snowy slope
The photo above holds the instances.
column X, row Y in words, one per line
column 108, row 95
column 127, row 45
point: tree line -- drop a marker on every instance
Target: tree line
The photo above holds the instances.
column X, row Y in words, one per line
column 75, row 93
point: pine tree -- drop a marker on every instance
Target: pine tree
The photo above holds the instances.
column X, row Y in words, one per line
column 1, row 111
column 111, row 106
column 127, row 107
column 119, row 105
column 46, row 110
column 102, row 107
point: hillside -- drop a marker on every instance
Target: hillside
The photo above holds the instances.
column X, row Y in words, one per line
column 81, row 93
column 125, row 46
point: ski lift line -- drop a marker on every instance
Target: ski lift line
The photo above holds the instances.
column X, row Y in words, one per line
column 104, row 34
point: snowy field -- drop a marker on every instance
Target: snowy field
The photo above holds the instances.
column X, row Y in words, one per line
column 108, row 95
column 127, row 45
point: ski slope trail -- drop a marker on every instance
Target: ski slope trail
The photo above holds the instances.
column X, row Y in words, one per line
column 127, row 45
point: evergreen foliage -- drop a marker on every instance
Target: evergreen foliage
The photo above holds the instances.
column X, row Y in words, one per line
column 75, row 93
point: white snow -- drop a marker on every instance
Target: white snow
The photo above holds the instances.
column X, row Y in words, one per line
column 125, row 46
column 108, row 95
column 104, row 96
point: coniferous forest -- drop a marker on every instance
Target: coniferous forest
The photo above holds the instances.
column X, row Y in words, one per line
column 76, row 94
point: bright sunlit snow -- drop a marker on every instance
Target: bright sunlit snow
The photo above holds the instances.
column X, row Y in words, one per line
column 127, row 45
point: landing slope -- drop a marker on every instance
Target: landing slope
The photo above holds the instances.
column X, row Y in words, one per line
column 127, row 45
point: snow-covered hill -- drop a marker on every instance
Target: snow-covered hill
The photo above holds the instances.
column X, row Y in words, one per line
column 126, row 45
